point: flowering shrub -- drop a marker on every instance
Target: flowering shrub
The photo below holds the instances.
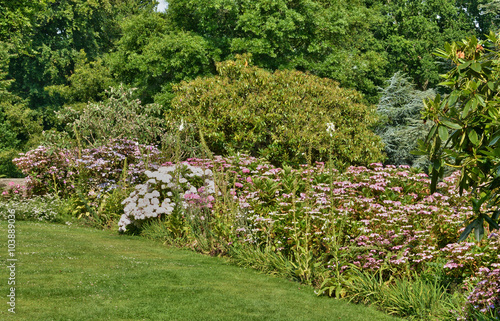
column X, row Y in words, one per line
column 118, row 116
column 13, row 190
column 57, row 170
column 169, row 190
column 485, row 298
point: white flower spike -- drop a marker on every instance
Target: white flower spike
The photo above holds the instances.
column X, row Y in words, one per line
column 330, row 128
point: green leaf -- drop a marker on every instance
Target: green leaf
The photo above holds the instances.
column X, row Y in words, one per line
column 467, row 108
column 449, row 124
column 452, row 99
column 476, row 67
column 496, row 215
column 495, row 138
column 473, row 136
column 491, row 222
column 479, row 230
column 443, row 133
column 467, row 231
column 431, row 133
column 464, row 65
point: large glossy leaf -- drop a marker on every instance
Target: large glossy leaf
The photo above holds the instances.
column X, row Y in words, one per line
column 449, row 124
column 476, row 66
column 479, row 230
column 473, row 137
column 443, row 133
column 491, row 222
column 467, row 231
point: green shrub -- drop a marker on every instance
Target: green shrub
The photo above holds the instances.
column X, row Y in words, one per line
column 119, row 116
column 281, row 116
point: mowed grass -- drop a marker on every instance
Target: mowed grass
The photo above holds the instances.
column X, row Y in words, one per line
column 75, row 273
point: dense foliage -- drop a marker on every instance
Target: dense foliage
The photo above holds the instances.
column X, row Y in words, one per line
column 282, row 116
column 61, row 170
column 67, row 53
column 400, row 124
column 466, row 129
column 119, row 116
column 97, row 85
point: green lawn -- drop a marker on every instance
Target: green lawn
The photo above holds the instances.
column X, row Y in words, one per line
column 74, row 273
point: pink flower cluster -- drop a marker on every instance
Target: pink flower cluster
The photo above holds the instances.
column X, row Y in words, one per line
column 48, row 170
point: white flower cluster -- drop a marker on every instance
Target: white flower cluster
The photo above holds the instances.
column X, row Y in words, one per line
column 39, row 208
column 157, row 195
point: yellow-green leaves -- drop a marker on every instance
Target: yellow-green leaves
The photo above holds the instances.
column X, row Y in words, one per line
column 282, row 116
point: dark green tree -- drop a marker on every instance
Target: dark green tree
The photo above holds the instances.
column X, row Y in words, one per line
column 151, row 56
column 61, row 30
column 412, row 29
column 331, row 39
column 19, row 126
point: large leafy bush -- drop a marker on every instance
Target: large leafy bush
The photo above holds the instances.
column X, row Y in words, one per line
column 281, row 116
column 466, row 127
column 120, row 116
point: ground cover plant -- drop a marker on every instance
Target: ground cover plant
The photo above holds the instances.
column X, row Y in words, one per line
column 74, row 273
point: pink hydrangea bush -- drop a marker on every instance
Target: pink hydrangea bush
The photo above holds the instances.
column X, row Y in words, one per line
column 50, row 170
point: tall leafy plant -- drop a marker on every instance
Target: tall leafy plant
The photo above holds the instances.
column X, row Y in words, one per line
column 465, row 131
column 281, row 116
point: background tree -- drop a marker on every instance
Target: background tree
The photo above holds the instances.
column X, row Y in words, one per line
column 61, row 30
column 400, row 124
column 19, row 126
column 412, row 29
column 329, row 38
column 151, row 56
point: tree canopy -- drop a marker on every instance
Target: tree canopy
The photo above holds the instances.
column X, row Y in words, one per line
column 68, row 52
